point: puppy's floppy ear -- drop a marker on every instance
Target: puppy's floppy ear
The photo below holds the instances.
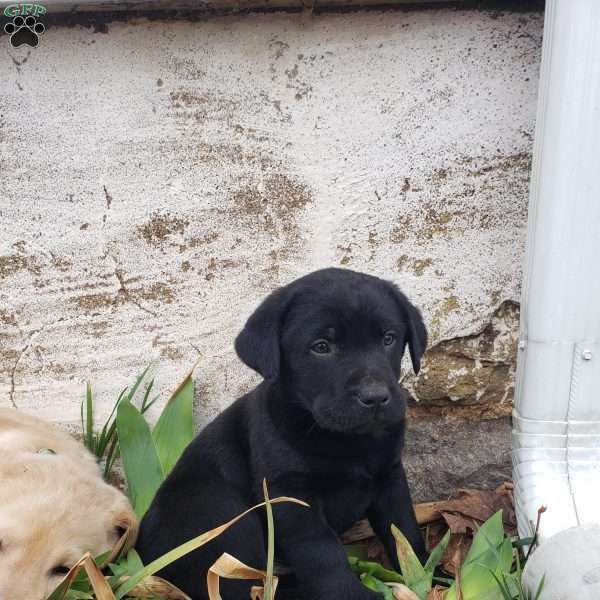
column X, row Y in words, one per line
column 417, row 333
column 258, row 342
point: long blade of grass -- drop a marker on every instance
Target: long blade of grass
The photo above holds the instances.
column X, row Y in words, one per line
column 145, row 404
column 111, row 456
column 109, row 430
column 189, row 546
column 540, row 587
column 140, row 459
column 503, row 585
column 269, row 591
column 89, row 419
column 138, row 382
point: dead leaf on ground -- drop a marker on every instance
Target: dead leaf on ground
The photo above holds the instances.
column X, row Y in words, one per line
column 478, row 506
column 455, row 553
column 427, row 512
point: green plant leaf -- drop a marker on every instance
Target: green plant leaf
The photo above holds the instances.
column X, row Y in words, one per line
column 79, row 595
column 145, row 403
column 436, row 554
column 491, row 533
column 61, row 591
column 174, row 429
column 490, row 556
column 140, row 460
column 372, row 583
column 134, row 562
column 477, row 582
column 415, row 576
column 372, row 568
column 87, row 422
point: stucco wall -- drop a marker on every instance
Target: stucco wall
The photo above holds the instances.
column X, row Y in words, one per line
column 158, row 179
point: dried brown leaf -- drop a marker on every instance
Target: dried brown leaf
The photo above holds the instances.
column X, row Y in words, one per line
column 156, row 587
column 455, row 553
column 458, row 523
column 100, row 586
column 427, row 512
column 231, row 568
column 478, row 505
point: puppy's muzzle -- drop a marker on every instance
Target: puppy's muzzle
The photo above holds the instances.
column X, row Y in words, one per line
column 373, row 395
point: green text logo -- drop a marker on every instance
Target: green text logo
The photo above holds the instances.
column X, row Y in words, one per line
column 14, row 10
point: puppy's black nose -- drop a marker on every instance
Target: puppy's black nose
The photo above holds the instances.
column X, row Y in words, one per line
column 373, row 395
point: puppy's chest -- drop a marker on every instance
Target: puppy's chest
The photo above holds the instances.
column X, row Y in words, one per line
column 346, row 501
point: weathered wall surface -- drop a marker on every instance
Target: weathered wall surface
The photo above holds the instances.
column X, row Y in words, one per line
column 160, row 178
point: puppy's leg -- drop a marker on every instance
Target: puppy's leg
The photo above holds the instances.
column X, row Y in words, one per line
column 394, row 505
column 245, row 541
column 183, row 514
column 314, row 552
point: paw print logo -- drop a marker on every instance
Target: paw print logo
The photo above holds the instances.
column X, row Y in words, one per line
column 24, row 31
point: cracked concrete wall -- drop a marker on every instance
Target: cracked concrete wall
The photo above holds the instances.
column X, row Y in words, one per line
column 159, row 178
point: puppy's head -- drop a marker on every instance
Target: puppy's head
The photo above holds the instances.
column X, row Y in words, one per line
column 50, row 515
column 335, row 340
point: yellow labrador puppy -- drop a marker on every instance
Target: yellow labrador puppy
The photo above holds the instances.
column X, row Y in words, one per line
column 54, row 507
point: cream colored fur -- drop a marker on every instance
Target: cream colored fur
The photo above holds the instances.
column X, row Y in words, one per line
column 53, row 507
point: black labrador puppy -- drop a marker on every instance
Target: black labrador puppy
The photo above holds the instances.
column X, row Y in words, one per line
column 326, row 426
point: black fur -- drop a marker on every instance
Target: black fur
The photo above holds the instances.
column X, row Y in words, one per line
column 325, row 427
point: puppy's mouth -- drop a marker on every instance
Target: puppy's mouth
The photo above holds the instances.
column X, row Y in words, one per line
column 356, row 422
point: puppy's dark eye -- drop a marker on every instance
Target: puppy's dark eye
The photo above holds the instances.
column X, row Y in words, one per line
column 389, row 338
column 321, row 347
column 59, row 571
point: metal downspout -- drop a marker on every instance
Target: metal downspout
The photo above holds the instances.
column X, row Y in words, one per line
column 556, row 420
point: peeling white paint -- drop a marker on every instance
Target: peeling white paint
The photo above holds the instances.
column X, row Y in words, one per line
column 160, row 179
